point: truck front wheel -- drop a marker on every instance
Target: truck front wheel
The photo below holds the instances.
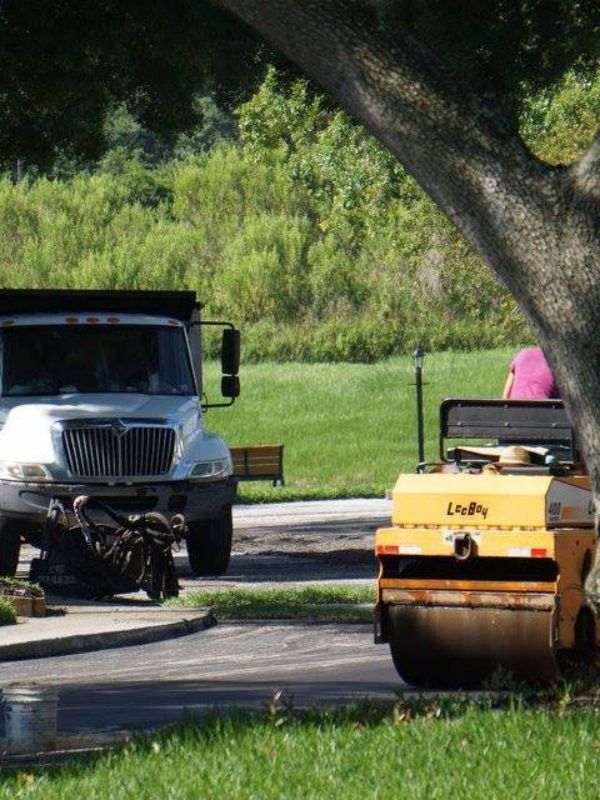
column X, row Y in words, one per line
column 10, row 547
column 209, row 544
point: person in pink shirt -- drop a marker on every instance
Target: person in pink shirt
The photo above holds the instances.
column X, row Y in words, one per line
column 530, row 377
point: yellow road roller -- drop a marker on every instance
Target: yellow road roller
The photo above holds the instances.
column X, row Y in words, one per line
column 486, row 558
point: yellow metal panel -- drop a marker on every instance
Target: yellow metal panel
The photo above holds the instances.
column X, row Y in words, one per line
column 572, row 549
column 582, row 481
column 441, row 585
column 439, row 542
column 518, row 601
column 483, row 500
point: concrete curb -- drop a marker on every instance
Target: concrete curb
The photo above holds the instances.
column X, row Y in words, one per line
column 68, row 746
column 80, row 643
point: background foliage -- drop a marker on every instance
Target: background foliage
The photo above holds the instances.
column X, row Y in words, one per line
column 64, row 65
column 284, row 216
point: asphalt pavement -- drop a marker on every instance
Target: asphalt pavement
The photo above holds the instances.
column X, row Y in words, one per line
column 239, row 665
column 313, row 516
column 148, row 685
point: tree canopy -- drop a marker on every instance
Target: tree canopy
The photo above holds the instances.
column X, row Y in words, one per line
column 439, row 84
column 63, row 64
column 504, row 47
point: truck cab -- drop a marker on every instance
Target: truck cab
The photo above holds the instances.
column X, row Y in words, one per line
column 101, row 395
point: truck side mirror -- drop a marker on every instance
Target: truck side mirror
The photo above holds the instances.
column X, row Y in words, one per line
column 230, row 386
column 230, row 354
column 230, row 361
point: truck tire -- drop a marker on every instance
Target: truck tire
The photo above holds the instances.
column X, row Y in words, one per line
column 209, row 544
column 10, row 547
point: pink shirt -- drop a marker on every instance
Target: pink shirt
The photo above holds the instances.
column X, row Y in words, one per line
column 533, row 377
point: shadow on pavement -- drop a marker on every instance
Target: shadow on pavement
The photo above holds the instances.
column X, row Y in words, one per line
column 289, row 567
column 152, row 704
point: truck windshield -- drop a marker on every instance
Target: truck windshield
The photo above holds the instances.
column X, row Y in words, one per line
column 86, row 359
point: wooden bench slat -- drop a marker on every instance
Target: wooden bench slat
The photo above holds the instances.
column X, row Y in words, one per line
column 258, row 462
column 258, row 450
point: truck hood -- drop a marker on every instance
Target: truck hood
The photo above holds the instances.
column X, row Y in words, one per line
column 70, row 406
column 27, row 427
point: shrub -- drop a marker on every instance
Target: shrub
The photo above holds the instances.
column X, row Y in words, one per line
column 8, row 614
column 306, row 233
column 560, row 122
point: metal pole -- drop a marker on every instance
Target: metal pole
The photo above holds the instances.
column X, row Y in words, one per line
column 418, row 356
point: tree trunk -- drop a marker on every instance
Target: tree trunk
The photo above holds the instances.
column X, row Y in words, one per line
column 537, row 226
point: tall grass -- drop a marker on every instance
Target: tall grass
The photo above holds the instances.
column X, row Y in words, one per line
column 303, row 280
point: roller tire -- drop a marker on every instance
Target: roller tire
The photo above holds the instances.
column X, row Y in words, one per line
column 446, row 676
column 10, row 547
column 426, row 673
column 209, row 545
column 454, row 647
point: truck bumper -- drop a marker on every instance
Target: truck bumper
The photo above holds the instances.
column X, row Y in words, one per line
column 197, row 501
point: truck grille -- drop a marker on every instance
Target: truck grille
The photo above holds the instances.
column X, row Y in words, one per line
column 119, row 451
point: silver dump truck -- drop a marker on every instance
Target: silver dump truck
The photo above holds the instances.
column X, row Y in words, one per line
column 101, row 395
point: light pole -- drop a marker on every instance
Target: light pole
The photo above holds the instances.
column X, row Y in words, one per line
column 418, row 358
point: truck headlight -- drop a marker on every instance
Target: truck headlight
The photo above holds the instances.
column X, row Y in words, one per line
column 211, row 469
column 16, row 471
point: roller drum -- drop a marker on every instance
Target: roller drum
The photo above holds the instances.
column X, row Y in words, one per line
column 440, row 646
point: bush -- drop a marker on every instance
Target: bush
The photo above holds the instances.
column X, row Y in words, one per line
column 8, row 614
column 306, row 233
column 559, row 123
column 17, row 586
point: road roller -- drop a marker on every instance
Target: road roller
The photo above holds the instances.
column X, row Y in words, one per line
column 484, row 564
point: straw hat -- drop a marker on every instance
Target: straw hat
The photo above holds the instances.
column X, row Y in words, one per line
column 513, row 456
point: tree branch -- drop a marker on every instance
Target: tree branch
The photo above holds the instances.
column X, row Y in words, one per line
column 523, row 216
column 357, row 46
column 460, row 149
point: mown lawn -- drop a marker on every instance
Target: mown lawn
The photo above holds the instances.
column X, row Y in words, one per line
column 443, row 750
column 322, row 603
column 348, row 429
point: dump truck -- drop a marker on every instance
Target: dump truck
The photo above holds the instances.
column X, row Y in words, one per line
column 484, row 565
column 101, row 396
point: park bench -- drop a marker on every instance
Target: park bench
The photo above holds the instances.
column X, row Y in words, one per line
column 258, row 462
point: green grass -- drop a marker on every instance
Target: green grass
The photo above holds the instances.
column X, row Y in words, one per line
column 8, row 615
column 348, row 429
column 423, row 750
column 263, row 492
column 319, row 603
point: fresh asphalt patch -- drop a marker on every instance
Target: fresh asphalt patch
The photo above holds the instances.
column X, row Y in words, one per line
column 237, row 665
column 225, row 666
